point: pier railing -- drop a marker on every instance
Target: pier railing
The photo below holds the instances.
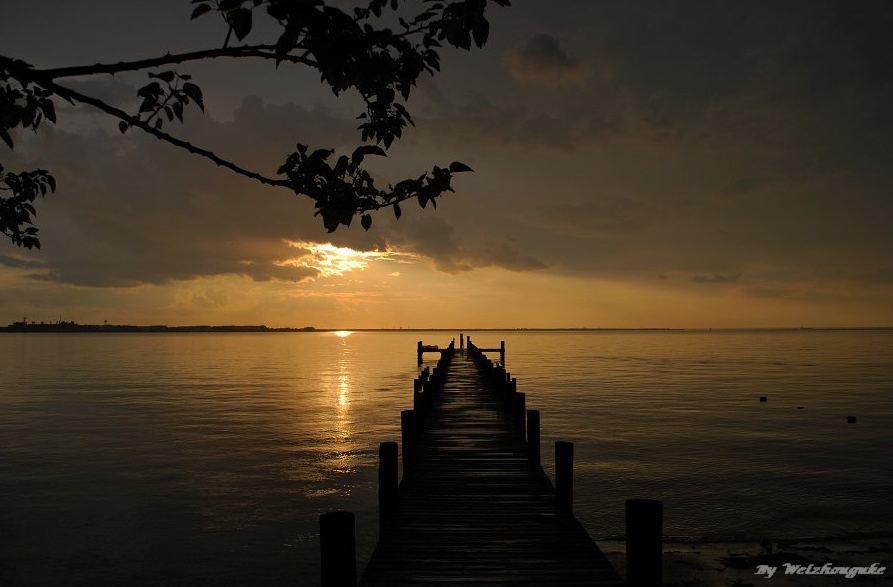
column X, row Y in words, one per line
column 337, row 529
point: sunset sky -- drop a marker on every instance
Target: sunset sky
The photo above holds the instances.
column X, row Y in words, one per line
column 637, row 164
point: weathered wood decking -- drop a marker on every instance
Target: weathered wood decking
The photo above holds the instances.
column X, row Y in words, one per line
column 472, row 509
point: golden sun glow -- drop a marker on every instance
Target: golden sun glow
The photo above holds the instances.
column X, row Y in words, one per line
column 330, row 260
column 342, row 333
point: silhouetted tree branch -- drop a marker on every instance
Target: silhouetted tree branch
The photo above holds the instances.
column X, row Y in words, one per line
column 349, row 51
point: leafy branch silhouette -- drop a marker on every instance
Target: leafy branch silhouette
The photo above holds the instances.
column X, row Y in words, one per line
column 350, row 52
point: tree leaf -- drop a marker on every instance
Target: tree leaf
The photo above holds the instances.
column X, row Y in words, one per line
column 5, row 136
column 123, row 126
column 195, row 94
column 227, row 5
column 286, row 42
column 480, row 30
column 457, row 167
column 366, row 221
column 31, row 242
column 49, row 109
column 152, row 89
column 397, row 211
column 240, row 20
column 364, row 150
column 341, row 165
column 165, row 76
column 200, row 10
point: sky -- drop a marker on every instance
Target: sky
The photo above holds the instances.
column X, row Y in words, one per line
column 637, row 164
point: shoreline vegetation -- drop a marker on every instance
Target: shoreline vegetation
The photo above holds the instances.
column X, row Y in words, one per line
column 71, row 326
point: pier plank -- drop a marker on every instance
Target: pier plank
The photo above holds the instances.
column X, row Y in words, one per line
column 472, row 510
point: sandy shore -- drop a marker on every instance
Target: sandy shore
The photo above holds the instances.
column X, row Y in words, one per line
column 734, row 564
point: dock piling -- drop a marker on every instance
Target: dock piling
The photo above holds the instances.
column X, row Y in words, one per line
column 388, row 481
column 533, row 438
column 338, row 549
column 644, row 556
column 519, row 413
column 408, row 431
column 564, row 478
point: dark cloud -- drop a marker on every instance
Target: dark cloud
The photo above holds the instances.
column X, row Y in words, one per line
column 877, row 276
column 774, row 292
column 542, row 61
column 745, row 185
column 16, row 261
column 563, row 125
column 600, row 215
column 717, row 278
column 435, row 238
column 508, row 256
column 803, row 77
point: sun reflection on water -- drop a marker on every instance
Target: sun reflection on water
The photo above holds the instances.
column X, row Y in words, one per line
column 344, row 451
column 344, row 387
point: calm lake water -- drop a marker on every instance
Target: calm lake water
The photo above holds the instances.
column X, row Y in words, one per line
column 206, row 459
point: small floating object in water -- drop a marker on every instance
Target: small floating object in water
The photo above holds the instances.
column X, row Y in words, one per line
column 799, row 407
column 762, row 398
column 851, row 419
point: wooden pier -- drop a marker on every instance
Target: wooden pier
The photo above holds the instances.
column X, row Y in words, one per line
column 474, row 506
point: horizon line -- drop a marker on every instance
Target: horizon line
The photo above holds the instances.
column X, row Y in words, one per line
column 73, row 326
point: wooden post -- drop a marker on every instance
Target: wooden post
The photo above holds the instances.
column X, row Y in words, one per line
column 644, row 526
column 420, row 352
column 564, row 478
column 519, row 412
column 502, row 352
column 461, row 341
column 533, row 437
column 417, row 400
column 338, row 549
column 511, row 388
column 408, row 433
column 387, row 481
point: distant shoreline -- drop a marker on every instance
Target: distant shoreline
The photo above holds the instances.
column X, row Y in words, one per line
column 30, row 327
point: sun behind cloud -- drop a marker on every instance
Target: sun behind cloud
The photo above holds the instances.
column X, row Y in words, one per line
column 330, row 260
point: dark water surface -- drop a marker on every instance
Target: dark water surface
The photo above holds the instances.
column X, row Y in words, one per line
column 205, row 459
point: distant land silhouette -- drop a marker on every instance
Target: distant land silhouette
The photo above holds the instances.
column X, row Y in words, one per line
column 62, row 326
column 71, row 326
